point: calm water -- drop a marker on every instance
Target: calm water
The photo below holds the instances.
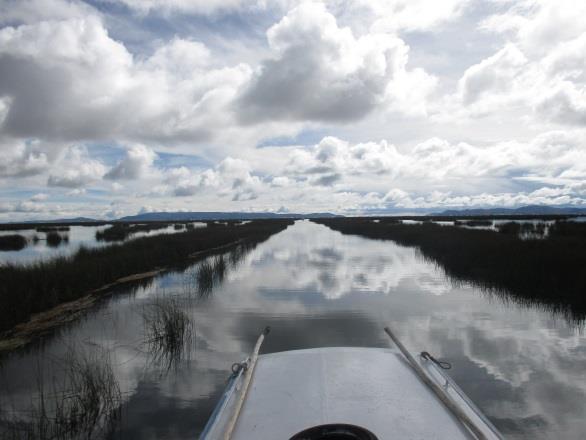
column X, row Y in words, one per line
column 523, row 367
column 78, row 236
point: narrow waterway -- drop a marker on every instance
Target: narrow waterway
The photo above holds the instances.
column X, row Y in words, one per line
column 522, row 365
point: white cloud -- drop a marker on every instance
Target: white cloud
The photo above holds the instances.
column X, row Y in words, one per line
column 321, row 72
column 39, row 197
column 31, row 11
column 492, row 76
column 21, row 159
column 409, row 15
column 540, row 71
column 76, row 169
column 137, row 163
column 91, row 87
column 25, row 206
column 203, row 7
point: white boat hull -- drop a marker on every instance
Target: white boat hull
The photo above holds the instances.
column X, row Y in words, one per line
column 372, row 388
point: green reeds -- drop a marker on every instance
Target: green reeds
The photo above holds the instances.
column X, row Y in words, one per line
column 13, row 242
column 169, row 331
column 475, row 223
column 54, row 239
column 122, row 231
column 52, row 228
column 84, row 404
column 33, row 288
column 547, row 272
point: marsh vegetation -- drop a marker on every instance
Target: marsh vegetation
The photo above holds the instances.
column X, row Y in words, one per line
column 546, row 271
column 169, row 331
column 55, row 239
column 29, row 289
column 12, row 242
column 122, row 231
column 80, row 400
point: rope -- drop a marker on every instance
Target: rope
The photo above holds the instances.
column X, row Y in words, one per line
column 249, row 370
column 442, row 364
column 445, row 399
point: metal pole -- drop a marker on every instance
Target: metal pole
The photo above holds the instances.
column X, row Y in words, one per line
column 456, row 410
column 247, row 379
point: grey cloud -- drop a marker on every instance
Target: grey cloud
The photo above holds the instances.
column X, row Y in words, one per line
column 297, row 87
column 24, row 164
column 565, row 105
column 136, row 164
column 328, row 179
column 320, row 71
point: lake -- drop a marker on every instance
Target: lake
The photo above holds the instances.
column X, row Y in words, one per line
column 522, row 365
column 78, row 236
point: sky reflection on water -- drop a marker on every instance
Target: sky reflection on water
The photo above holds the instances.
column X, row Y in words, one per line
column 522, row 366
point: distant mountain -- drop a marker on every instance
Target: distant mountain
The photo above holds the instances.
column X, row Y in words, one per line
column 65, row 220
column 523, row 210
column 197, row 216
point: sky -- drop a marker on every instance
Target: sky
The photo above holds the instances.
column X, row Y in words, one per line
column 116, row 107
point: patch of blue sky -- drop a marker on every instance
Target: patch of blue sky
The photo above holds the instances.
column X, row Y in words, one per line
column 305, row 137
column 108, row 153
column 451, row 48
column 141, row 33
column 170, row 160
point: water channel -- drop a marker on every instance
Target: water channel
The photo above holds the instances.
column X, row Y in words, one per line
column 522, row 365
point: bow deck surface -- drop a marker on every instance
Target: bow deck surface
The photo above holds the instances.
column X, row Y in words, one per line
column 368, row 387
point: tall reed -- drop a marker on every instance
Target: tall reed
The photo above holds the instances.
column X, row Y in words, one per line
column 168, row 330
column 548, row 271
column 84, row 404
column 28, row 289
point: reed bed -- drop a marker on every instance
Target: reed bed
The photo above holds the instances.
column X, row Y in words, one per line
column 549, row 271
column 122, row 231
column 169, row 331
column 85, row 404
column 35, row 225
column 52, row 228
column 12, row 242
column 473, row 222
column 33, row 288
column 54, row 239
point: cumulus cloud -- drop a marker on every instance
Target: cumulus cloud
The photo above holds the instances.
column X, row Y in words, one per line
column 540, row 70
column 408, row 15
column 341, row 71
column 69, row 80
column 25, row 206
column 232, row 178
column 39, row 197
column 22, row 159
column 322, row 72
column 137, row 163
column 31, row 11
column 203, row 7
column 556, row 158
column 76, row 169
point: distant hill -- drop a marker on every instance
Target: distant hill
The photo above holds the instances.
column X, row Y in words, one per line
column 65, row 220
column 523, row 210
column 196, row 216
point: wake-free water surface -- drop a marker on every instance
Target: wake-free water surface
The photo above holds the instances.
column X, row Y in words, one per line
column 523, row 366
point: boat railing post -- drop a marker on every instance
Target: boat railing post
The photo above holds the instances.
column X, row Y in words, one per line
column 248, row 377
column 438, row 391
